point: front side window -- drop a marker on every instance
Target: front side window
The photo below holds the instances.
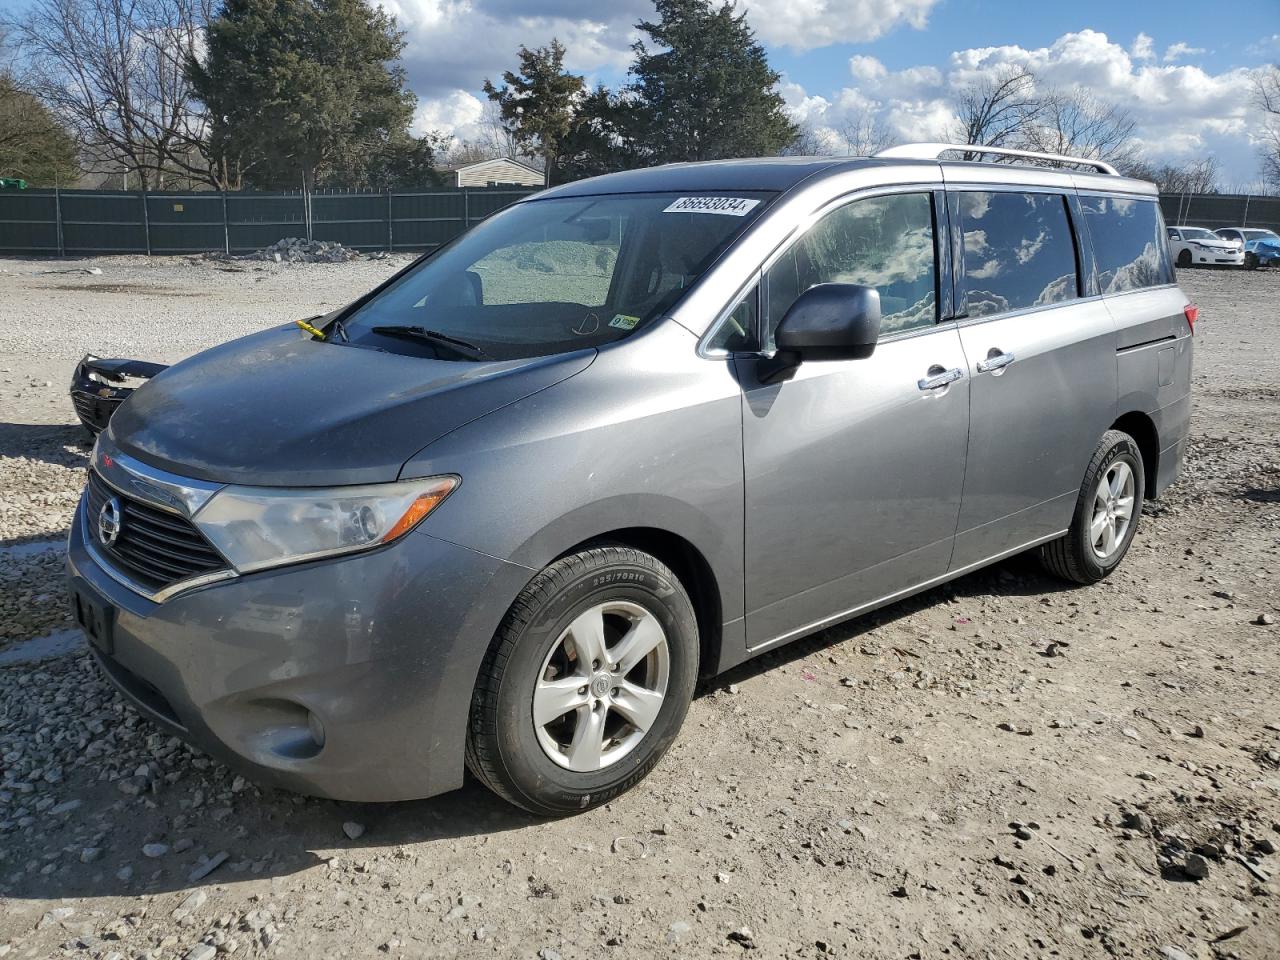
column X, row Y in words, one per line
column 1018, row 251
column 549, row 276
column 882, row 242
column 1128, row 242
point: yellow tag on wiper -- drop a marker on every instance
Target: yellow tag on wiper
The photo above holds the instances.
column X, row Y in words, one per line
column 314, row 331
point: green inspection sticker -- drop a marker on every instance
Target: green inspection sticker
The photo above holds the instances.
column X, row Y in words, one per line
column 624, row 322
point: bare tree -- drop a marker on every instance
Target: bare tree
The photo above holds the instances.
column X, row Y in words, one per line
column 810, row 141
column 1079, row 124
column 1194, row 176
column 1266, row 95
column 996, row 110
column 863, row 134
column 860, row 134
column 113, row 70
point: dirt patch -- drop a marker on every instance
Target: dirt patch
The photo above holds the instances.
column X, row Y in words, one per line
column 125, row 288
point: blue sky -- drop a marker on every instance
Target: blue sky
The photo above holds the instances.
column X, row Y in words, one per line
column 1228, row 40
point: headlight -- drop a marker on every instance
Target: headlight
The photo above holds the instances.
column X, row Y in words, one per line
column 257, row 527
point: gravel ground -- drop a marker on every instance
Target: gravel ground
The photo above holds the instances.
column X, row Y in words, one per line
column 1000, row 768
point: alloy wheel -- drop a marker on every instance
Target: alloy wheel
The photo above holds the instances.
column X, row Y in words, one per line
column 601, row 686
column 1113, row 502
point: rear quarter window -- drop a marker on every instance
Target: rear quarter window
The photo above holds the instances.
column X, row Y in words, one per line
column 1129, row 243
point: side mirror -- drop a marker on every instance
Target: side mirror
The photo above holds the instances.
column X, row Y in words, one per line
column 830, row 321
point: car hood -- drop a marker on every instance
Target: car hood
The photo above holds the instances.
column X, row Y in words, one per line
column 279, row 408
column 1217, row 244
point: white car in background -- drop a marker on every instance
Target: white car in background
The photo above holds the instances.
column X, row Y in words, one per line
column 1196, row 245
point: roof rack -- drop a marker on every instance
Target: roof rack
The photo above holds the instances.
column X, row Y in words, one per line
column 934, row 151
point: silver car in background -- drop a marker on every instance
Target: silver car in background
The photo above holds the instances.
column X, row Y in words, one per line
column 502, row 512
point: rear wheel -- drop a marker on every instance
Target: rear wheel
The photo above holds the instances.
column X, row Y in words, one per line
column 586, row 683
column 1106, row 514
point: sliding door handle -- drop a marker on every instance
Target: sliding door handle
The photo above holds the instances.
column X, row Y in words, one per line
column 995, row 361
column 935, row 381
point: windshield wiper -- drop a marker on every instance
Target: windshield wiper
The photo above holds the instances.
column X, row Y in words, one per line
column 461, row 347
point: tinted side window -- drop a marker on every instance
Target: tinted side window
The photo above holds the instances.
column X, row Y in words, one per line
column 1018, row 251
column 1128, row 243
column 882, row 242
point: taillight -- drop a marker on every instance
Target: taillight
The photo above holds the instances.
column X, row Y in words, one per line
column 1192, row 313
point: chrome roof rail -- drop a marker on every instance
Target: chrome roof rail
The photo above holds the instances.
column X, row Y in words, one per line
column 934, row 151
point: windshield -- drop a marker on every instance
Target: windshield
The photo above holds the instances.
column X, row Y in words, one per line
column 548, row 276
column 1198, row 233
column 1260, row 235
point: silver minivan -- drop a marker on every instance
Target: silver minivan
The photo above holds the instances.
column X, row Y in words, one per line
column 505, row 510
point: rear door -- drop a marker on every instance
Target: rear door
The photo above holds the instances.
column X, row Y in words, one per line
column 854, row 468
column 1042, row 361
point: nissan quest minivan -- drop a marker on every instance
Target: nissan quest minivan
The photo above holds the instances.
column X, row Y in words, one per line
column 503, row 512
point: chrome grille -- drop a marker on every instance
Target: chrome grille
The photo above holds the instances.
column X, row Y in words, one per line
column 155, row 547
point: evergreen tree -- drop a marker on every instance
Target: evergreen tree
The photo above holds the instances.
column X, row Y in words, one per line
column 703, row 87
column 600, row 138
column 298, row 89
column 537, row 104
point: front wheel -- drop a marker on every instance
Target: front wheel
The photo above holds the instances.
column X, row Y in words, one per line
column 1251, row 261
column 1106, row 514
column 1184, row 258
column 586, row 683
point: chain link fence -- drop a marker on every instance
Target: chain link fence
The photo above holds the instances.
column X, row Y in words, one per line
column 91, row 222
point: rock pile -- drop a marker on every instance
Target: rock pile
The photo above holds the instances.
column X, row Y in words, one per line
column 301, row 250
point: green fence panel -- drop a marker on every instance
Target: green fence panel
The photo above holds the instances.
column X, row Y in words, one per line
column 117, row 221
column 357, row 220
column 256, row 220
column 185, row 222
column 29, row 222
column 102, row 222
column 1221, row 210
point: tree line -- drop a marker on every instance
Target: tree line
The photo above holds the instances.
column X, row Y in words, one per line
column 311, row 94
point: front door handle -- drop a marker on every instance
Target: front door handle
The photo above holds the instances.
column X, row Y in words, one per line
column 938, row 380
column 996, row 360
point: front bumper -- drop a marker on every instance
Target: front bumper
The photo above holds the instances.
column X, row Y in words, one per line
column 1217, row 258
column 381, row 648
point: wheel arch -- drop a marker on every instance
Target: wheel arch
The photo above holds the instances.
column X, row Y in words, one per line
column 1142, row 428
column 690, row 566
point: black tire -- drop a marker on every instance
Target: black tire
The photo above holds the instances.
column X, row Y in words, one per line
column 1184, row 258
column 503, row 749
column 1072, row 557
column 1251, row 261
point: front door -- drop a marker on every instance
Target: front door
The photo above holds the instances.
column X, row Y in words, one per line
column 854, row 468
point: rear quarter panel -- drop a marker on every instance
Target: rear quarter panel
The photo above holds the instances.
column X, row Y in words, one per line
column 1153, row 367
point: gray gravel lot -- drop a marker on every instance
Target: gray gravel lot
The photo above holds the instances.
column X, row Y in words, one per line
column 1000, row 768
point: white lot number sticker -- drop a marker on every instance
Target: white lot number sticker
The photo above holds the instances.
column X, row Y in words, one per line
column 725, row 206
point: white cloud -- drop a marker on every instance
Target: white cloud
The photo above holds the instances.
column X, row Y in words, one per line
column 1179, row 50
column 806, row 24
column 458, row 112
column 457, row 44
column 1183, row 111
